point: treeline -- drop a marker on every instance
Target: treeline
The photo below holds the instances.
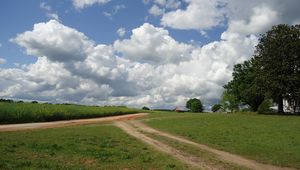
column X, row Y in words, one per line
column 271, row 75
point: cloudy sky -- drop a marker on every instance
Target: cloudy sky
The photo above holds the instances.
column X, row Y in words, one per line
column 156, row 53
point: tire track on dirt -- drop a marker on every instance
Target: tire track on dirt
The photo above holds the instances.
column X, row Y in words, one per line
column 182, row 156
column 222, row 155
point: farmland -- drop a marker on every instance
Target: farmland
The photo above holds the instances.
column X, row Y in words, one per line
column 35, row 112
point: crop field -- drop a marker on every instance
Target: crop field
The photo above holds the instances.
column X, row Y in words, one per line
column 35, row 112
column 100, row 146
column 266, row 138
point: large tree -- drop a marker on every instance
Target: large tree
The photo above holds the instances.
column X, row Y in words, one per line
column 243, row 86
column 277, row 63
column 194, row 105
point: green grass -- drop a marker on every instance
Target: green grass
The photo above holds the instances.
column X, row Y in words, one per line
column 33, row 112
column 79, row 147
column 266, row 138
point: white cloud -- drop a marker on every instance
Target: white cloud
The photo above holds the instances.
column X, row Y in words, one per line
column 152, row 45
column 246, row 17
column 2, row 60
column 150, row 68
column 50, row 14
column 114, row 11
column 156, row 11
column 54, row 40
column 80, row 4
column 173, row 4
column 121, row 32
column 261, row 19
column 0, row 45
column 199, row 15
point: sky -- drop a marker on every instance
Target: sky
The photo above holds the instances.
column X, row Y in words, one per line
column 154, row 53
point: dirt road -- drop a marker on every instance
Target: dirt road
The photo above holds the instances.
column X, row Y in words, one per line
column 43, row 125
column 136, row 129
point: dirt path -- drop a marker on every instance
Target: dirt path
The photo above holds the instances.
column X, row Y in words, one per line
column 184, row 157
column 222, row 155
column 43, row 125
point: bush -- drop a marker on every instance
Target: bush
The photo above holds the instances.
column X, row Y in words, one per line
column 216, row 107
column 264, row 107
column 145, row 108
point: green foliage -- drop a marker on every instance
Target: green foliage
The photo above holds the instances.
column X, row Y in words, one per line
column 264, row 107
column 34, row 112
column 277, row 63
column 216, row 107
column 194, row 105
column 229, row 102
column 251, row 135
column 243, row 85
column 146, row 108
column 79, row 147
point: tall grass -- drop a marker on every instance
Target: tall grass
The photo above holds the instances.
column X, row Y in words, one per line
column 34, row 112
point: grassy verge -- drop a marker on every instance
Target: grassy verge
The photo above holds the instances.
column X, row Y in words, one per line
column 34, row 112
column 266, row 138
column 79, row 147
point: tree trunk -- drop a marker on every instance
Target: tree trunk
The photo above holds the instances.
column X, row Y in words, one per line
column 280, row 104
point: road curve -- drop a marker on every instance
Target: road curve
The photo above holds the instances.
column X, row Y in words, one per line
column 54, row 124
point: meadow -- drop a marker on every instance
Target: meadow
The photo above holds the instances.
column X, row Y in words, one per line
column 266, row 138
column 12, row 112
column 100, row 146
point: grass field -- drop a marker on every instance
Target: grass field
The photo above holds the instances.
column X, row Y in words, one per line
column 266, row 138
column 34, row 112
column 79, row 147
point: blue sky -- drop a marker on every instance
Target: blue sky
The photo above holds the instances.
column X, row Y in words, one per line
column 91, row 21
column 165, row 51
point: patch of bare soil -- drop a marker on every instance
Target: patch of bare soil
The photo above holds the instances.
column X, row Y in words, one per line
column 55, row 124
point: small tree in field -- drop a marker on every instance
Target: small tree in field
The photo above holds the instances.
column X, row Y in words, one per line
column 216, row 107
column 146, row 108
column 194, row 105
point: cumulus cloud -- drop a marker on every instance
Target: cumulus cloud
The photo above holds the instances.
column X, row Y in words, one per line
column 152, row 45
column 148, row 68
column 2, row 60
column 80, row 4
column 199, row 15
column 246, row 17
column 54, row 40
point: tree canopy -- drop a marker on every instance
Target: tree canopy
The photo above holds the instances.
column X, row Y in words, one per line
column 243, row 85
column 277, row 63
column 216, row 107
column 194, row 105
column 273, row 72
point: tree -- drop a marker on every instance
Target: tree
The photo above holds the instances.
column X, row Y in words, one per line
column 277, row 63
column 216, row 107
column 243, row 85
column 229, row 102
column 194, row 105
column 145, row 108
